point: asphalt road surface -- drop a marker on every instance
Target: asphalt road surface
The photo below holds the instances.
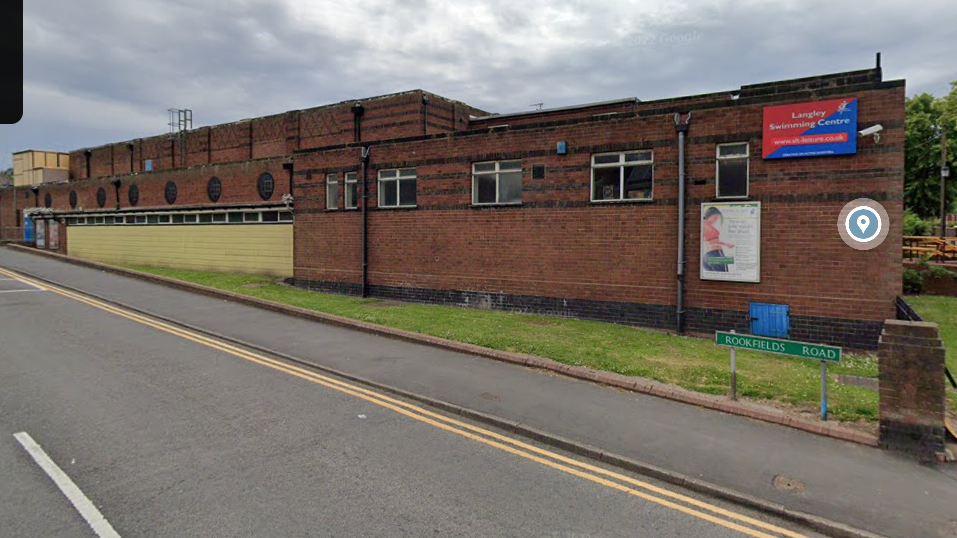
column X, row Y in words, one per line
column 167, row 432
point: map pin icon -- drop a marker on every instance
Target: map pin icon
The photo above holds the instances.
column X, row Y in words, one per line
column 862, row 223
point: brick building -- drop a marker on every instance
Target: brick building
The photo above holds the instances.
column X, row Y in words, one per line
column 571, row 211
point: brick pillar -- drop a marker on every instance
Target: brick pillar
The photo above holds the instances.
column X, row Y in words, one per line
column 912, row 397
column 291, row 126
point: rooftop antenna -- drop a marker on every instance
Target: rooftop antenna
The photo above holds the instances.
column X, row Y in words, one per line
column 180, row 121
column 538, row 106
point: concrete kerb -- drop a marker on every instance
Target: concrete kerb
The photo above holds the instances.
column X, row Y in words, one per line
column 818, row 524
column 644, row 386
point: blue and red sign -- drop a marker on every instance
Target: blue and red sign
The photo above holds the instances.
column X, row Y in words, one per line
column 811, row 129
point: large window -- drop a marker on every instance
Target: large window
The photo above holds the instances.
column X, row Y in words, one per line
column 332, row 191
column 397, row 188
column 622, row 176
column 497, row 182
column 731, row 170
column 352, row 190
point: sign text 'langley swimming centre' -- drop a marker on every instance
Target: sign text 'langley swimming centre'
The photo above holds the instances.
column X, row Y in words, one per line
column 813, row 129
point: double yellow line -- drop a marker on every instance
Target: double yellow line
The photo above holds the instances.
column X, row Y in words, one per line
column 625, row 484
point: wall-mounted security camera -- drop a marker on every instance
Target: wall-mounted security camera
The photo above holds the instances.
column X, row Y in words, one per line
column 874, row 131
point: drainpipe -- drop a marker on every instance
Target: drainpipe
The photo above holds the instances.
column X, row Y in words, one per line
column 357, row 111
column 116, row 187
column 682, row 130
column 425, row 114
column 365, row 222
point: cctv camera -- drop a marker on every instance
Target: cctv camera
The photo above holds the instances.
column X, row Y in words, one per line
column 873, row 130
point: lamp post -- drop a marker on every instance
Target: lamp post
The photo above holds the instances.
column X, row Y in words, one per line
column 944, row 174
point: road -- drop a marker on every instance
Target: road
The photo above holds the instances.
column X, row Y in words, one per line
column 169, row 432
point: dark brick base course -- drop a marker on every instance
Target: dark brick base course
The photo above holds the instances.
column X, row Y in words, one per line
column 854, row 334
column 340, row 288
column 923, row 441
column 644, row 315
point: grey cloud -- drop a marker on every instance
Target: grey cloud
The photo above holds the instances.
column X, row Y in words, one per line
column 103, row 70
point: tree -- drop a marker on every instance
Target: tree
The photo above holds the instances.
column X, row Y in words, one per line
column 927, row 118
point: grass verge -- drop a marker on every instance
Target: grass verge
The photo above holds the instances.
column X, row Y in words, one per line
column 943, row 312
column 691, row 363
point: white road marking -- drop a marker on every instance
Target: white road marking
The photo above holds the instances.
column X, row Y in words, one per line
column 21, row 291
column 83, row 505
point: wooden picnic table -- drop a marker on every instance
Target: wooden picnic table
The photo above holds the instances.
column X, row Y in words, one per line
column 938, row 248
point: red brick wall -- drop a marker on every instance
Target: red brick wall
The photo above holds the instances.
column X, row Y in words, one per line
column 386, row 117
column 8, row 216
column 238, row 180
column 559, row 244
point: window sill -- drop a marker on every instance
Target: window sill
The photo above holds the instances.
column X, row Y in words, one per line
column 628, row 201
column 745, row 197
column 482, row 206
column 396, row 207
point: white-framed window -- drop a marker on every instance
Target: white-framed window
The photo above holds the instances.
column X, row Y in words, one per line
column 332, row 191
column 497, row 182
column 622, row 176
column 352, row 190
column 731, row 170
column 397, row 187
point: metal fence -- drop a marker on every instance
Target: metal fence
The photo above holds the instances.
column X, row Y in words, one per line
column 906, row 312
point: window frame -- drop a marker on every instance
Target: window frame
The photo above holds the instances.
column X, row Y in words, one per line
column 332, row 181
column 177, row 218
column 621, row 164
column 747, row 170
column 398, row 191
column 497, row 172
column 345, row 193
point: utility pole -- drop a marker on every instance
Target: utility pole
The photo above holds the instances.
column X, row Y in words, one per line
column 944, row 173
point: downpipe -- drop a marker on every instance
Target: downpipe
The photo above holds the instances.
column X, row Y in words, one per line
column 365, row 221
column 681, row 127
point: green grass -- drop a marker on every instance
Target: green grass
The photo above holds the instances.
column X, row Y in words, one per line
column 943, row 312
column 692, row 363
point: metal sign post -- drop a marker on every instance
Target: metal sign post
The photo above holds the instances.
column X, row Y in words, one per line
column 823, row 390
column 819, row 352
column 734, row 372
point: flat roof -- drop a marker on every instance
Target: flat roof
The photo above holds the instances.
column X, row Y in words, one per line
column 558, row 109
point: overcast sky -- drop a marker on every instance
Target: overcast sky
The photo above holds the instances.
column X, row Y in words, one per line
column 98, row 71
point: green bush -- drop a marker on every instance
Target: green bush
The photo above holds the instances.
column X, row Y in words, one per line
column 938, row 272
column 914, row 225
column 913, row 281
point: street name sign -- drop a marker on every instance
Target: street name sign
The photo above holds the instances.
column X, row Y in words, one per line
column 791, row 348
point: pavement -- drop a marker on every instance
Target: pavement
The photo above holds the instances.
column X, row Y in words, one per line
column 856, row 485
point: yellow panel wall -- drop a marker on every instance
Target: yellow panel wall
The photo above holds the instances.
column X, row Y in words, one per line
column 234, row 248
